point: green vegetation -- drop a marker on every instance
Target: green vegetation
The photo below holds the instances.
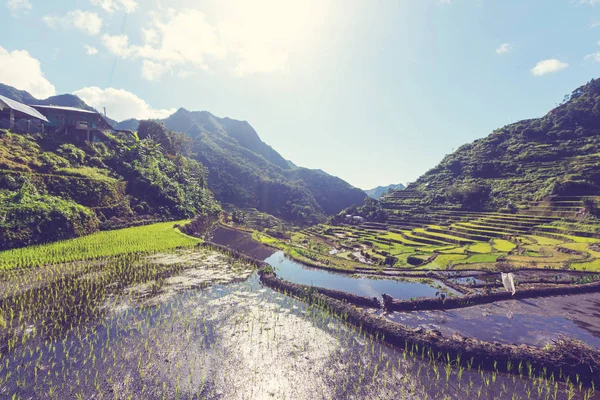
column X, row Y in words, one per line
column 524, row 162
column 503, row 245
column 482, row 258
column 247, row 173
column 142, row 239
column 480, row 248
column 26, row 216
column 60, row 187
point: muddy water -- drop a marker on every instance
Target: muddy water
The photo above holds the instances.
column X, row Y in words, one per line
column 530, row 321
column 296, row 272
column 196, row 338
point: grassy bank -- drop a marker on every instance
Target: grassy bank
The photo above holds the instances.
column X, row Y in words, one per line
column 141, row 239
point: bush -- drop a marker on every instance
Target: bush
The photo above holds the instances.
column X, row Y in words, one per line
column 52, row 161
column 29, row 218
column 200, row 225
column 74, row 154
column 591, row 206
column 470, row 195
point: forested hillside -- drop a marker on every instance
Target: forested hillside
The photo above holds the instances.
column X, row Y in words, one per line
column 524, row 162
column 52, row 187
column 246, row 172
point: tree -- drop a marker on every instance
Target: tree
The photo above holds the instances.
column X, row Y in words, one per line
column 591, row 206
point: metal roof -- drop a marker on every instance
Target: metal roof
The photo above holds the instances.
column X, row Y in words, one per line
column 73, row 109
column 23, row 108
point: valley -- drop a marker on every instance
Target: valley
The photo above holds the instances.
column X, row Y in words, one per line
column 186, row 258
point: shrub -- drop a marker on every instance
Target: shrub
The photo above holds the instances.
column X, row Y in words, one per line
column 29, row 218
column 52, row 161
column 74, row 154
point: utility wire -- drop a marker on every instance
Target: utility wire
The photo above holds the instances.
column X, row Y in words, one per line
column 114, row 66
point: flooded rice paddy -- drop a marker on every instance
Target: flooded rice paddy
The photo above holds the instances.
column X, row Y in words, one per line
column 296, row 272
column 195, row 324
column 536, row 321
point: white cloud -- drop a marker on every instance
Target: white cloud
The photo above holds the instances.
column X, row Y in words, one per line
column 111, row 6
column 588, row 2
column 444, row 2
column 594, row 57
column 16, row 6
column 86, row 21
column 152, row 71
column 548, row 66
column 120, row 104
column 504, row 48
column 117, row 45
column 19, row 69
column 244, row 44
column 90, row 50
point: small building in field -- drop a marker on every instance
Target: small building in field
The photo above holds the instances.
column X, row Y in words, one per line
column 84, row 124
column 20, row 117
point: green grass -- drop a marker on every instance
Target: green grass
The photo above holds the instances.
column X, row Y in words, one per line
column 443, row 260
column 544, row 240
column 266, row 239
column 480, row 247
column 581, row 239
column 482, row 258
column 141, row 239
column 442, row 236
column 503, row 245
column 456, row 250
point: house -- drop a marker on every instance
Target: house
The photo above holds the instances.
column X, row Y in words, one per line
column 20, row 117
column 84, row 124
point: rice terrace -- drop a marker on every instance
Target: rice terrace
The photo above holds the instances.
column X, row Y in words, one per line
column 150, row 249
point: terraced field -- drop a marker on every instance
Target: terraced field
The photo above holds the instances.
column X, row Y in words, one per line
column 490, row 241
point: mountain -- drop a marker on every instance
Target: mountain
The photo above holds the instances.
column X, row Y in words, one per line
column 246, row 172
column 522, row 163
column 63, row 100
column 243, row 170
column 380, row 190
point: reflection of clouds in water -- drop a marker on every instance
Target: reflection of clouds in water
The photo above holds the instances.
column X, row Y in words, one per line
column 366, row 285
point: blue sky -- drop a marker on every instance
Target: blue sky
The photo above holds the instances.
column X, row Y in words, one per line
column 375, row 92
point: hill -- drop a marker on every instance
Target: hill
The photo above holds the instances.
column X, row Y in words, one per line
column 56, row 187
column 246, row 172
column 520, row 165
column 380, row 190
column 63, row 100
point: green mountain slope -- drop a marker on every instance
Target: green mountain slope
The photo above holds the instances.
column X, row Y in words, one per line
column 246, row 172
column 55, row 187
column 380, row 190
column 521, row 163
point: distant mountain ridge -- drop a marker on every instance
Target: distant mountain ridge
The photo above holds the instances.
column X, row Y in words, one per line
column 380, row 190
column 63, row 100
column 243, row 170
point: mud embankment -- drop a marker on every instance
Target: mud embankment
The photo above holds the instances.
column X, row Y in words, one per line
column 241, row 242
column 475, row 299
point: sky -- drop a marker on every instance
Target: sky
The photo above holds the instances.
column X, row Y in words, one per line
column 375, row 92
